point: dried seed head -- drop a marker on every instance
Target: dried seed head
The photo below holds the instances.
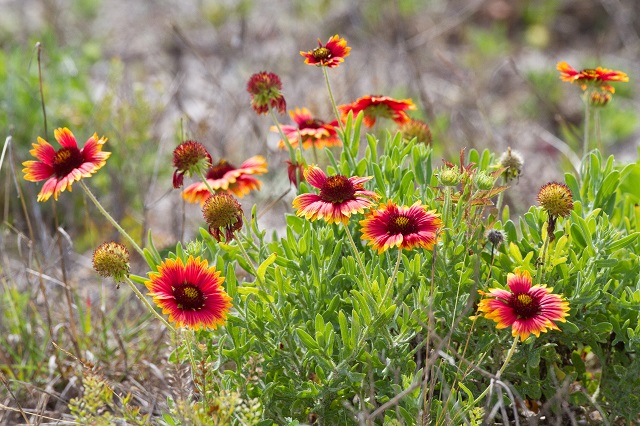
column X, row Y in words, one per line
column 112, row 260
column 556, row 199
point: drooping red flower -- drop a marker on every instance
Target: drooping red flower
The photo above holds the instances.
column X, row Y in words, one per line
column 295, row 171
column 596, row 77
column 339, row 197
column 404, row 227
column 330, row 55
column 224, row 176
column 188, row 158
column 66, row 165
column 264, row 88
column 527, row 309
column 223, row 214
column 379, row 106
column 312, row 131
column 190, row 293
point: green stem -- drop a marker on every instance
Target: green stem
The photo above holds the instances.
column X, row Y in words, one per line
column 147, row 304
column 393, row 277
column 587, row 124
column 357, row 256
column 292, row 155
column 206, row 182
column 541, row 267
column 596, row 125
column 111, row 219
column 504, row 366
column 333, row 101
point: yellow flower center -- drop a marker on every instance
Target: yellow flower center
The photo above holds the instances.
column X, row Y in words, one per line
column 321, row 53
column 525, row 299
column 188, row 297
column 524, row 305
column 401, row 225
column 65, row 160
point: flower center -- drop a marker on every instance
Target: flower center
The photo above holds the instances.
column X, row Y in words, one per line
column 222, row 210
column 401, row 225
column 65, row 160
column 188, row 297
column 219, row 170
column 337, row 189
column 311, row 124
column 321, row 53
column 524, row 305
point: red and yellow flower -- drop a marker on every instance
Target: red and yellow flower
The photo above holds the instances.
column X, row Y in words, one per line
column 66, row 165
column 190, row 293
column 527, row 309
column 330, row 55
column 312, row 131
column 403, row 227
column 379, row 106
column 596, row 77
column 339, row 197
column 224, row 176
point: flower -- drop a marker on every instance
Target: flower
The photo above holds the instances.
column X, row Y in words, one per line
column 224, row 176
column 402, row 227
column 415, row 128
column 556, row 199
column 112, row 260
column 526, row 308
column 295, row 171
column 339, row 197
column 329, row 55
column 222, row 213
column 190, row 293
column 66, row 165
column 595, row 77
column 264, row 88
column 512, row 162
column 379, row 106
column 188, row 158
column 312, row 131
column 599, row 98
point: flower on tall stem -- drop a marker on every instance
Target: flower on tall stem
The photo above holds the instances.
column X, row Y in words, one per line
column 527, row 309
column 312, row 131
column 557, row 200
column 223, row 214
column 66, row 165
column 404, row 227
column 339, row 197
column 224, row 176
column 598, row 77
column 190, row 293
column 512, row 163
column 330, row 55
column 265, row 90
column 379, row 106
column 189, row 158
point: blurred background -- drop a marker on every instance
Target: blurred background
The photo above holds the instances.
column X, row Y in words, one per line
column 147, row 74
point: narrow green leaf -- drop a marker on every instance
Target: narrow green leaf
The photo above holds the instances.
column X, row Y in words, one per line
column 262, row 269
column 306, row 339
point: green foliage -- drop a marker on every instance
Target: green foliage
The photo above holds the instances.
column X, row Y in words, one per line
column 97, row 405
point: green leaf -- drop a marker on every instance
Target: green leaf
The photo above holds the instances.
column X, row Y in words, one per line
column 306, row 339
column 262, row 269
column 569, row 327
